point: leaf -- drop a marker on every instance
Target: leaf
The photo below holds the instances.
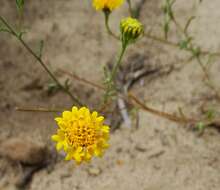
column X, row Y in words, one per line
column 166, row 28
column 189, row 21
column 168, row 16
column 20, row 34
column 200, row 126
column 52, row 88
column 4, row 29
column 20, row 4
column 196, row 51
column 210, row 114
column 67, row 84
column 184, row 44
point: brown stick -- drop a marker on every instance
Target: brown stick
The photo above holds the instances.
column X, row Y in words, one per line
column 165, row 115
column 37, row 109
column 72, row 75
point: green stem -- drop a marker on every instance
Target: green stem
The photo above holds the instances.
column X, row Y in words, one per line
column 111, row 88
column 13, row 32
column 118, row 62
column 20, row 17
column 107, row 13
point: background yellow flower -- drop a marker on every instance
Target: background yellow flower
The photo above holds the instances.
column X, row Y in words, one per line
column 107, row 4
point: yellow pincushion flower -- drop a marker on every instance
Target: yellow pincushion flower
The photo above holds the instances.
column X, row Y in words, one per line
column 107, row 4
column 81, row 134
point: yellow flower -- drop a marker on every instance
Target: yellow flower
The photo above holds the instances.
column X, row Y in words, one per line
column 81, row 134
column 131, row 29
column 107, row 4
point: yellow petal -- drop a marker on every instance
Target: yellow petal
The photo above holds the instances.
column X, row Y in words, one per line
column 78, row 157
column 82, row 110
column 55, row 138
column 98, row 152
column 100, row 119
column 105, row 145
column 87, row 156
column 59, row 146
column 58, row 119
column 101, row 143
column 65, row 145
column 105, row 129
column 74, row 109
column 67, row 114
column 61, row 134
column 94, row 114
column 69, row 156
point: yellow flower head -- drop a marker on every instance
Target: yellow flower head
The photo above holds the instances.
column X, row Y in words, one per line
column 107, row 4
column 131, row 29
column 81, row 134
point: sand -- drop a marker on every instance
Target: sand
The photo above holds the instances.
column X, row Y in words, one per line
column 159, row 154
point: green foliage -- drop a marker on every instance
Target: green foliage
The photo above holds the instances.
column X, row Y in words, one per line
column 20, row 34
column 168, row 16
column 53, row 87
column 195, row 51
column 184, row 44
column 3, row 28
column 110, row 91
column 210, row 114
column 189, row 21
column 200, row 126
column 20, row 5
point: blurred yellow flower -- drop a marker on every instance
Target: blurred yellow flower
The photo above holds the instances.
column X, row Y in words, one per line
column 108, row 5
column 81, row 134
column 131, row 29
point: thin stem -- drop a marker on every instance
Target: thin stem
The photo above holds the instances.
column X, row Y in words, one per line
column 179, row 27
column 203, row 68
column 172, row 117
column 209, row 81
column 110, row 82
column 107, row 13
column 161, row 40
column 174, row 44
column 130, row 8
column 23, row 109
column 165, row 115
column 20, row 18
column 12, row 31
column 118, row 62
column 82, row 80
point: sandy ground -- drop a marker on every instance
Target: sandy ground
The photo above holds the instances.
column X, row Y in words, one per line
column 159, row 154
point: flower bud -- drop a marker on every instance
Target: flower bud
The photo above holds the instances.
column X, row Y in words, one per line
column 131, row 29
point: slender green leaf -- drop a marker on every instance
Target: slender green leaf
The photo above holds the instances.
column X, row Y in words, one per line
column 20, row 4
